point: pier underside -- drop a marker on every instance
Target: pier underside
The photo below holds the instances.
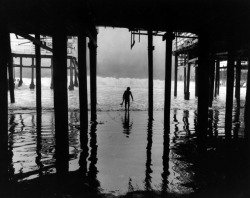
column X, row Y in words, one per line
column 221, row 28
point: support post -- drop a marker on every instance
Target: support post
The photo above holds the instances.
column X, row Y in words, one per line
column 52, row 75
column 83, row 93
column 38, row 76
column 211, row 81
column 196, row 82
column 32, row 85
column 61, row 102
column 71, row 86
column 247, row 108
column 150, row 74
column 237, row 83
column 93, row 94
column 203, row 91
column 21, row 73
column 4, row 110
column 217, row 78
column 76, row 76
column 168, row 67
column 229, row 92
column 11, row 75
column 175, row 75
column 187, row 93
column 185, row 77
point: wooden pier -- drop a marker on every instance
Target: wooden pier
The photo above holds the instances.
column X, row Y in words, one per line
column 218, row 37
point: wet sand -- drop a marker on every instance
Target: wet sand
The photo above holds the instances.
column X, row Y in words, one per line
column 128, row 156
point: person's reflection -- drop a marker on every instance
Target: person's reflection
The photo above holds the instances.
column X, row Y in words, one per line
column 149, row 158
column 92, row 174
column 127, row 125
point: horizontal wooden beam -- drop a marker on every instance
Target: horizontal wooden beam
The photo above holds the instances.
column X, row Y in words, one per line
column 33, row 39
column 33, row 56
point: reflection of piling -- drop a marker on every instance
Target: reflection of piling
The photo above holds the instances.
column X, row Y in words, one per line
column 93, row 96
column 5, row 41
column 85, row 150
column 83, row 94
column 71, row 85
column 168, row 66
column 229, row 92
column 165, row 159
column 149, row 156
column 10, row 147
column 150, row 74
column 38, row 75
column 32, row 85
column 61, row 103
column 38, row 140
column 92, row 174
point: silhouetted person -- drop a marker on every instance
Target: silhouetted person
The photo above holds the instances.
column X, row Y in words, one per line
column 126, row 98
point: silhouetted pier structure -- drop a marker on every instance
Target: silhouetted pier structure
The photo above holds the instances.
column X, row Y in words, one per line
column 217, row 33
column 72, row 67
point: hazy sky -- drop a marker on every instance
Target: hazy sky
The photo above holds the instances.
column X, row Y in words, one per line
column 116, row 59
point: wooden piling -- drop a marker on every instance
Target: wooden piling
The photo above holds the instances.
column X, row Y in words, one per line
column 229, row 92
column 38, row 76
column 237, row 83
column 11, row 75
column 52, row 76
column 175, row 75
column 21, row 72
column 217, row 78
column 75, row 76
column 168, row 67
column 61, row 102
column 203, row 91
column 71, row 85
column 247, row 109
column 187, row 93
column 211, row 81
column 4, row 109
column 93, row 94
column 32, row 85
column 150, row 74
column 185, row 77
column 196, row 82
column 83, row 93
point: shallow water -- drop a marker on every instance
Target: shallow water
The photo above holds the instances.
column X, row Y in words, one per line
column 124, row 152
